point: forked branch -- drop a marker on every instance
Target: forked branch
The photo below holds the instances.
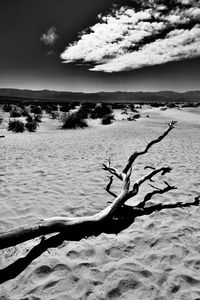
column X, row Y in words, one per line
column 157, row 191
column 112, row 219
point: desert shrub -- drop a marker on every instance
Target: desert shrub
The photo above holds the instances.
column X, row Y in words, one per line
column 124, row 111
column 25, row 112
column 100, row 111
column 65, row 108
column 7, row 107
column 54, row 115
column 88, row 105
column 118, row 105
column 171, row 105
column 138, row 106
column 72, row 121
column 36, row 109
column 189, row 104
column 16, row 126
column 136, row 116
column 131, row 118
column 50, row 108
column 47, row 109
column 54, row 106
column 157, row 104
column 38, row 118
column 16, row 112
column 106, row 120
column 83, row 112
column 132, row 108
column 31, row 125
column 74, row 104
column 29, row 118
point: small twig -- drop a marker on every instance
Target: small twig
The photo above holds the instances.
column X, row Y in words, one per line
column 154, row 187
column 149, row 167
column 107, row 188
column 110, row 182
column 113, row 171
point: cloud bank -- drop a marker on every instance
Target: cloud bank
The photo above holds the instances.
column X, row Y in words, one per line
column 50, row 37
column 145, row 33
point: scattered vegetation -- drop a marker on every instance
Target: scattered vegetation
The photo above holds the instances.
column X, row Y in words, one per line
column 19, row 126
column 73, row 121
column 156, row 104
column 16, row 126
column 172, row 105
column 84, row 112
column 16, row 112
column 106, row 120
column 136, row 116
column 100, row 111
column 124, row 111
column 38, row 118
column 65, row 108
column 189, row 104
column 54, row 115
column 132, row 108
column 36, row 109
column 31, row 124
column 7, row 107
column 118, row 105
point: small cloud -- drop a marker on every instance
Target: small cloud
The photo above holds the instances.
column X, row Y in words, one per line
column 131, row 37
column 49, row 38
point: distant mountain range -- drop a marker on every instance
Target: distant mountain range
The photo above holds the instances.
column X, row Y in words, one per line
column 135, row 97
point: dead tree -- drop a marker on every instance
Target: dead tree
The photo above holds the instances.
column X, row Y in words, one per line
column 112, row 219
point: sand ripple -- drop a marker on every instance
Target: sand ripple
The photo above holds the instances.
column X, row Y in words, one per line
column 59, row 172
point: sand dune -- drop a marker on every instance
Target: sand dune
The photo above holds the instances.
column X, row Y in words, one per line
column 54, row 172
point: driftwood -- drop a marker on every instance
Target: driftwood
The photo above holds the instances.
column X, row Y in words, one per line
column 113, row 219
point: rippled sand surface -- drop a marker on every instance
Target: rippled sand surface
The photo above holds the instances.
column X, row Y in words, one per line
column 55, row 172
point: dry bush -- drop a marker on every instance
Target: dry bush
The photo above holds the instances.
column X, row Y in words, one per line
column 73, row 121
column 16, row 126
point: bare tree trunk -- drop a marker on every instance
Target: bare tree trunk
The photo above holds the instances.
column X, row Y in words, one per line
column 113, row 219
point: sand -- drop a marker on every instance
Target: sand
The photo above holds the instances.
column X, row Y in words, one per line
column 55, row 172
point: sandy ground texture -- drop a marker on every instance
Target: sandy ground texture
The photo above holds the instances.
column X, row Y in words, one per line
column 56, row 172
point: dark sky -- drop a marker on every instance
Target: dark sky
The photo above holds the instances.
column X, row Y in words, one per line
column 26, row 62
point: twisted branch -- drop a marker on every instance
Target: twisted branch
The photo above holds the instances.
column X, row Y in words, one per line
column 124, row 219
column 112, row 219
column 133, row 157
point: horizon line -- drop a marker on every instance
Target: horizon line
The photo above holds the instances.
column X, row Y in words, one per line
column 96, row 92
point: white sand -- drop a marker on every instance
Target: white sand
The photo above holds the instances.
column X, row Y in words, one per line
column 59, row 172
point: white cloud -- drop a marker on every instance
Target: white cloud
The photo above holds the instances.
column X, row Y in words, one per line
column 194, row 12
column 128, row 39
column 178, row 45
column 50, row 37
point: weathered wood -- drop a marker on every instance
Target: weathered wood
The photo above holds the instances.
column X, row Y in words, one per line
column 112, row 219
column 122, row 220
